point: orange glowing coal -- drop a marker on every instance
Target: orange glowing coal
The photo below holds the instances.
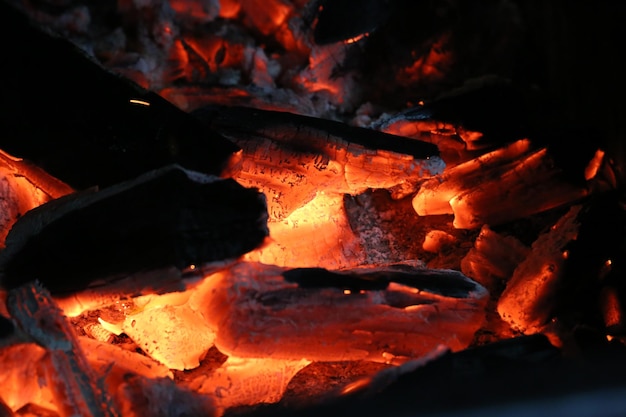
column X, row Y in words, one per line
column 320, row 288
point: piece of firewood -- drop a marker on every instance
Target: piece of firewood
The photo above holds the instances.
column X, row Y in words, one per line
column 374, row 313
column 84, row 124
column 291, row 157
column 77, row 390
column 168, row 218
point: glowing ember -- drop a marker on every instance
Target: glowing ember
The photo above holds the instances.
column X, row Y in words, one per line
column 200, row 338
column 260, row 312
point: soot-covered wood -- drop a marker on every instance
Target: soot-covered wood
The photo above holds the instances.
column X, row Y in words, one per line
column 74, row 119
column 168, row 217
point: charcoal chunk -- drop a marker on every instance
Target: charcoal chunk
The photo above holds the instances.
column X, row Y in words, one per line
column 168, row 217
column 86, row 125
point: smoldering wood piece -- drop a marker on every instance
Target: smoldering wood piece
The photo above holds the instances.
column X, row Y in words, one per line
column 86, row 125
column 152, row 397
column 292, row 157
column 77, row 389
column 434, row 195
column 595, row 266
column 448, row 283
column 168, row 218
column 308, row 132
column 258, row 312
column 509, row 183
column 493, row 257
column 574, row 272
column 503, row 371
column 484, row 113
column 342, row 20
column 23, row 187
column 529, row 300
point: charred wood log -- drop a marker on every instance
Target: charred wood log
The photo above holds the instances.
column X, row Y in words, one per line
column 85, row 125
column 513, row 182
column 292, row 157
column 383, row 314
column 484, row 113
column 570, row 276
column 76, row 387
column 524, row 375
column 168, row 218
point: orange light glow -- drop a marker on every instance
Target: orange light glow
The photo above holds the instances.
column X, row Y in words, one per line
column 229, row 8
column 140, row 102
column 330, row 242
column 594, row 165
column 23, row 186
column 430, row 67
column 356, row 38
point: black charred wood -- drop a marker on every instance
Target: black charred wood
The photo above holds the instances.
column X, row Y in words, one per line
column 169, row 217
column 447, row 283
column 75, row 119
column 313, row 133
column 346, row 19
column 501, row 109
column 503, row 378
column 6, row 327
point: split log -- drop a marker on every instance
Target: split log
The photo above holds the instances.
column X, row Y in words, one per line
column 378, row 314
column 76, row 389
column 292, row 157
column 86, row 125
column 528, row 301
column 510, row 183
column 168, row 218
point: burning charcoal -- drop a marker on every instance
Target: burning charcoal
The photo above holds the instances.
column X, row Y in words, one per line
column 515, row 369
column 115, row 362
column 435, row 194
column 494, row 257
column 574, row 274
column 315, row 235
column 291, row 157
column 202, row 11
column 249, row 381
column 506, row 184
column 76, row 389
column 594, row 268
column 161, row 397
column 485, row 112
column 169, row 218
column 258, row 312
column 436, row 240
column 528, row 301
column 89, row 127
column 23, row 367
column 347, row 19
column 22, row 188
column 173, row 335
column 33, row 410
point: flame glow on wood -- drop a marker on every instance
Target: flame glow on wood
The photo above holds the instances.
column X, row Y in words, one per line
column 258, row 313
